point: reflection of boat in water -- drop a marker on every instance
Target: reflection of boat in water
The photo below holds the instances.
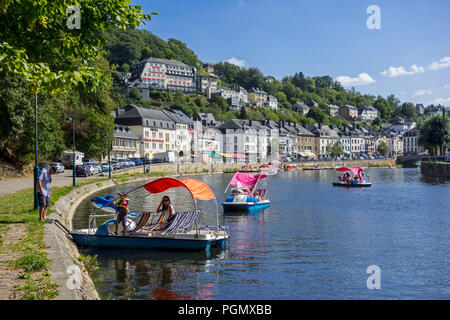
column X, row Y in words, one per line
column 152, row 231
column 290, row 167
column 248, row 168
column 245, row 196
column 269, row 169
column 312, row 167
column 352, row 182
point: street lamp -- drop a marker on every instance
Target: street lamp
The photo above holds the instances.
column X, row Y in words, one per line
column 36, row 167
column 69, row 119
column 109, row 155
column 143, row 161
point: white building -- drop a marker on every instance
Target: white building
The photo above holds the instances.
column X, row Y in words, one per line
column 272, row 102
column 163, row 74
column 153, row 127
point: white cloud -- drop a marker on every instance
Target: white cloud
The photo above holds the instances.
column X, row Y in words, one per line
column 361, row 80
column 236, row 61
column 401, row 71
column 443, row 101
column 443, row 63
column 447, row 86
column 422, row 92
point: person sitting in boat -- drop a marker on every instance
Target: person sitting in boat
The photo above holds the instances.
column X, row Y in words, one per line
column 355, row 180
column 166, row 208
column 347, row 177
column 122, row 212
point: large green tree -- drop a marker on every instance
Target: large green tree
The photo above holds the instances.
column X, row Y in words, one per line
column 433, row 134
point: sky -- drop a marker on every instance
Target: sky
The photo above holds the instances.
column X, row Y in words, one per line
column 379, row 47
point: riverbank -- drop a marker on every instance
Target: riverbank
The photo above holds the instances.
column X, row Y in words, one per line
column 24, row 242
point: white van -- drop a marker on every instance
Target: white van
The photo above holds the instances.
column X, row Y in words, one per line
column 67, row 159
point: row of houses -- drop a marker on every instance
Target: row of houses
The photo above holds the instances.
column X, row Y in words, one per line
column 142, row 132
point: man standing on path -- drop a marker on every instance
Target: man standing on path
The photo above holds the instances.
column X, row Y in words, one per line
column 45, row 178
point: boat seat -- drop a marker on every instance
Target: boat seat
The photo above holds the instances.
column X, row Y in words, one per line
column 142, row 222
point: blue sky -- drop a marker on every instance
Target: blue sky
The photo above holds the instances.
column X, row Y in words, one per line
column 409, row 56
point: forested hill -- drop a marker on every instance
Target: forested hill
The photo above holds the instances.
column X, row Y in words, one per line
column 126, row 47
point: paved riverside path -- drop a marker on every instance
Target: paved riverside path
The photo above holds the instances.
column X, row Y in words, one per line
column 59, row 180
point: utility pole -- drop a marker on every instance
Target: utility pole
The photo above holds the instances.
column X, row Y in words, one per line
column 36, row 167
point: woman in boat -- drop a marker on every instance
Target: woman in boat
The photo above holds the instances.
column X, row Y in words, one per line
column 167, row 209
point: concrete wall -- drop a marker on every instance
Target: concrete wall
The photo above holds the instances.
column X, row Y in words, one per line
column 436, row 170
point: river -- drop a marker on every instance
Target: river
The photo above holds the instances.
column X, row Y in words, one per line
column 315, row 241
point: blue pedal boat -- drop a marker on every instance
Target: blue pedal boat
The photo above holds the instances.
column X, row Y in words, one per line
column 150, row 230
column 245, row 196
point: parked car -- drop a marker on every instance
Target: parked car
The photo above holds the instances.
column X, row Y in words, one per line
column 94, row 169
column 155, row 160
column 43, row 165
column 123, row 163
column 105, row 167
column 98, row 166
column 131, row 163
column 137, row 162
column 115, row 165
column 146, row 160
column 59, row 167
column 82, row 170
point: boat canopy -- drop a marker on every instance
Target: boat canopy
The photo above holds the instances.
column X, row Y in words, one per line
column 355, row 170
column 246, row 180
column 198, row 189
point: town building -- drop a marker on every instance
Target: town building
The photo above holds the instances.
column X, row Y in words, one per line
column 327, row 136
column 411, row 142
column 420, row 109
column 367, row 113
column 206, row 81
column 334, row 110
column 301, row 107
column 348, row 112
column 163, row 74
column 183, row 134
column 305, row 142
column 257, row 97
column 153, row 127
column 125, row 144
column 272, row 102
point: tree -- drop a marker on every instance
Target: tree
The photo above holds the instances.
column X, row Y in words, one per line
column 433, row 133
column 408, row 110
column 336, row 150
column 38, row 46
column 243, row 115
column 383, row 148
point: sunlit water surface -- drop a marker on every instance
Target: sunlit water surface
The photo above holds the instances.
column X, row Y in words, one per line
column 314, row 242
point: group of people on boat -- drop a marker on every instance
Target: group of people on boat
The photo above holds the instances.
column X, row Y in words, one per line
column 252, row 192
column 165, row 208
column 347, row 178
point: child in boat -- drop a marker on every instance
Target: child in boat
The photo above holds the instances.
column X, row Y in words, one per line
column 122, row 212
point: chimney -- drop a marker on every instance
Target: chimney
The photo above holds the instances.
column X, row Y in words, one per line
column 331, row 126
column 320, row 126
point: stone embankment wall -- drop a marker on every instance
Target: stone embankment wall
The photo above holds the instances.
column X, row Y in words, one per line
column 436, row 170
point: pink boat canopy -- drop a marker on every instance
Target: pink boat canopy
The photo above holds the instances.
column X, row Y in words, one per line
column 355, row 170
column 242, row 179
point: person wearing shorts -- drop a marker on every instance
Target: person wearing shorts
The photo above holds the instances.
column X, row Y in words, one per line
column 44, row 181
column 122, row 213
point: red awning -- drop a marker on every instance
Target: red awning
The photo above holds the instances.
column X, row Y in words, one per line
column 198, row 189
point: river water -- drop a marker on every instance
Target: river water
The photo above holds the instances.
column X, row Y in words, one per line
column 314, row 242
